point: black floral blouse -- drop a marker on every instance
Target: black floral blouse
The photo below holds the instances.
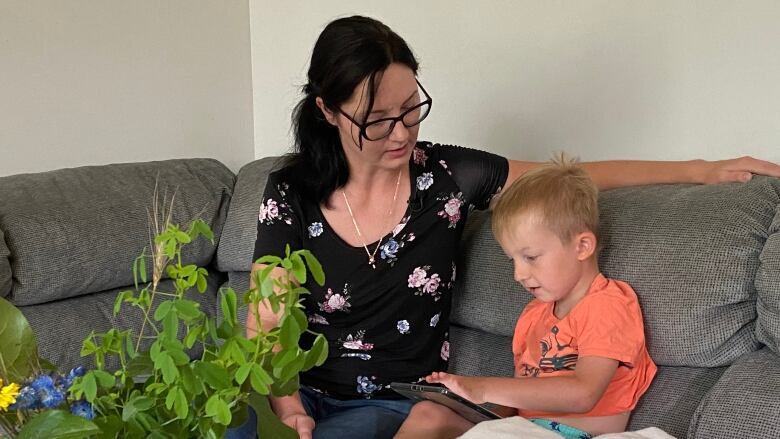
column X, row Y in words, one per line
column 390, row 323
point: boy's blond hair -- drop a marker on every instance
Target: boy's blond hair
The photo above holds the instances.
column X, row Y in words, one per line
column 558, row 194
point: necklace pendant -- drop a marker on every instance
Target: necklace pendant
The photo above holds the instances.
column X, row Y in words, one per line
column 371, row 263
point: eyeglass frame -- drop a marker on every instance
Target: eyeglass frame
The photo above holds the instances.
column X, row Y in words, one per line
column 400, row 118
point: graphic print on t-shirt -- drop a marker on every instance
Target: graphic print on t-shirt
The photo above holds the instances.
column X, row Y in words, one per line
column 555, row 355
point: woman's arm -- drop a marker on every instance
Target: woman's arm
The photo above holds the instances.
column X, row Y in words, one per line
column 619, row 173
column 289, row 408
column 577, row 393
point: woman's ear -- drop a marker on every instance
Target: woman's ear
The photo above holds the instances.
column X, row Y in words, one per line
column 329, row 116
column 586, row 245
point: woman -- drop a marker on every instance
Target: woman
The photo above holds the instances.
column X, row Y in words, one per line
column 384, row 214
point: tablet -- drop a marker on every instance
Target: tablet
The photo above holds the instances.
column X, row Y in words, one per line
column 460, row 405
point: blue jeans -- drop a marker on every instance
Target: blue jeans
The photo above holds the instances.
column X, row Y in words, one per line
column 337, row 419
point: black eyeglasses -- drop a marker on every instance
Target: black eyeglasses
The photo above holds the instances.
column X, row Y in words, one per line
column 381, row 128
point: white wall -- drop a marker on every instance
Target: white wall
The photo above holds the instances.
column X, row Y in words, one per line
column 599, row 79
column 102, row 81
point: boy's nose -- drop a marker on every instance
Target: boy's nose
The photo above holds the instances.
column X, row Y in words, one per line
column 521, row 274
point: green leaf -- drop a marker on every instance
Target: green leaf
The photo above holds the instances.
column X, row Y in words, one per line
column 261, row 374
column 188, row 309
column 19, row 350
column 257, row 382
column 268, row 259
column 182, row 237
column 120, row 299
column 192, row 335
column 189, row 381
column 217, row 408
column 300, row 318
column 181, row 406
column 135, row 405
column 202, row 282
column 109, row 425
column 171, row 397
column 243, row 372
column 104, row 379
column 170, row 248
column 57, row 424
column 317, row 354
column 314, row 267
column 165, row 364
column 282, row 358
column 228, row 303
column 213, row 375
column 162, row 310
column 293, row 367
column 290, row 332
column 298, row 268
column 89, row 384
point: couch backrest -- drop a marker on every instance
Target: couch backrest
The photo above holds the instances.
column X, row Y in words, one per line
column 237, row 244
column 692, row 253
column 77, row 231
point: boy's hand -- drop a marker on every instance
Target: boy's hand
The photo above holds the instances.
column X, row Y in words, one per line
column 467, row 387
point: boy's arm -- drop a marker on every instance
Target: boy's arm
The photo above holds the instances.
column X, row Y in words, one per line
column 576, row 393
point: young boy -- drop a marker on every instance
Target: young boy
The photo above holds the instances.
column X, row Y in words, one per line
column 579, row 348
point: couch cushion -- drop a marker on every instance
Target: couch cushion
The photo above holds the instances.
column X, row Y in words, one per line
column 61, row 326
column 5, row 267
column 474, row 352
column 768, row 287
column 486, row 296
column 744, row 403
column 672, row 398
column 77, row 231
column 237, row 244
column 691, row 253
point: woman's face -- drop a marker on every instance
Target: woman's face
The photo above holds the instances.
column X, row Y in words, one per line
column 397, row 92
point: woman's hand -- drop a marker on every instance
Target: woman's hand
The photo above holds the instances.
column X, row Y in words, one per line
column 301, row 423
column 735, row 170
column 467, row 387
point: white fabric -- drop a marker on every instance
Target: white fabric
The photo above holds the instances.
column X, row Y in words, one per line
column 517, row 427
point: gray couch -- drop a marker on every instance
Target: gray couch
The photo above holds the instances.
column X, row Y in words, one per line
column 704, row 260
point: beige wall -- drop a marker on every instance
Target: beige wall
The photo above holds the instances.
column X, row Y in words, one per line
column 101, row 81
column 599, row 79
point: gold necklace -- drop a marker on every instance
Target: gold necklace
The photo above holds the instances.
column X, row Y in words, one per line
column 372, row 255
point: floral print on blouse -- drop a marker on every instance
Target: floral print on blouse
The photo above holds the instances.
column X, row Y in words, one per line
column 390, row 323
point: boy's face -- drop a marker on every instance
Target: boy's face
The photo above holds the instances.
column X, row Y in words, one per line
column 548, row 268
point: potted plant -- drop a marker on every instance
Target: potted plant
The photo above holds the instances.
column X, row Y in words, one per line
column 159, row 391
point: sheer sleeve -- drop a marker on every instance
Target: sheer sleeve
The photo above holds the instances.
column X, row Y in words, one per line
column 479, row 174
column 278, row 222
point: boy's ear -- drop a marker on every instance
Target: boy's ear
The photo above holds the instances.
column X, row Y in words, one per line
column 329, row 116
column 586, row 245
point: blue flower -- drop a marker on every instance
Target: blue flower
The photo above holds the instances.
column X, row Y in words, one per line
column 46, row 393
column 366, row 386
column 43, row 382
column 27, row 399
column 389, row 249
column 52, row 398
column 315, row 229
column 425, row 181
column 84, row 409
column 67, row 380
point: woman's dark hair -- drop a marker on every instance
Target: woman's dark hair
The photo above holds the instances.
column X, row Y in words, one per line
column 347, row 51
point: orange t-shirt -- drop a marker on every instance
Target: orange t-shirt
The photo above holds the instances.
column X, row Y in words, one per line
column 606, row 322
